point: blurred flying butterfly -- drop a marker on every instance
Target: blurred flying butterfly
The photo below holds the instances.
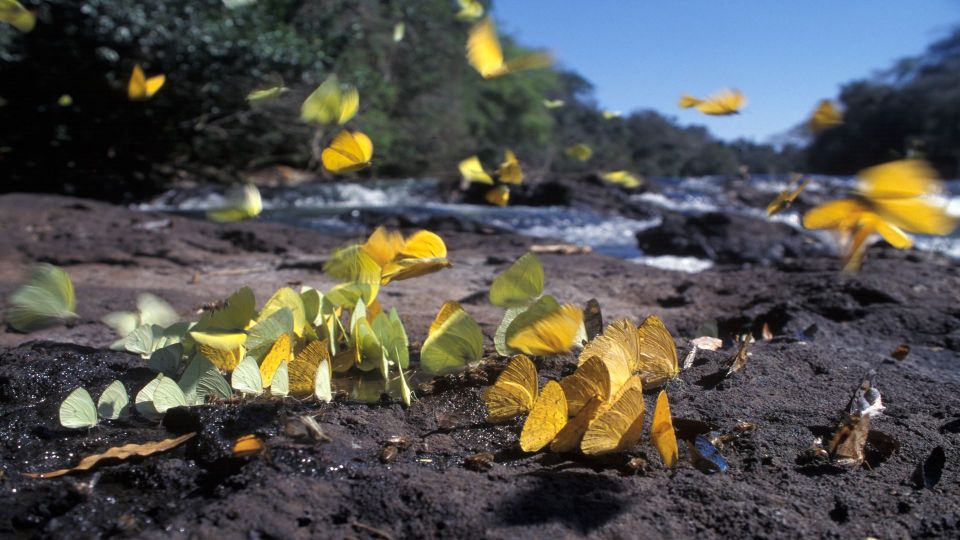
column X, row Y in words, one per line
column 486, row 56
column 724, row 103
column 349, row 151
column 786, row 197
column 140, row 88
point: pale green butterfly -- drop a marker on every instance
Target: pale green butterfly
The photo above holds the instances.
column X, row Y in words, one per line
column 246, row 377
column 168, row 395
column 144, row 400
column 405, row 392
column 47, row 299
column 212, row 383
column 151, row 309
column 280, row 385
column 321, row 382
column 519, row 284
column 113, row 401
column 78, row 410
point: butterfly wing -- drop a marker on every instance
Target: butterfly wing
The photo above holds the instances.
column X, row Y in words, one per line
column 662, row 433
column 658, row 353
column 723, row 104
column 522, row 282
column 498, row 196
column 456, row 342
column 515, row 391
column 153, row 85
column 383, row 245
column 302, row 370
column 78, row 410
column 915, row 215
column 472, row 170
column 620, row 427
column 546, row 419
column 137, row 86
column 552, row 334
column 568, row 439
column 346, row 153
column 903, row 179
column 483, row 50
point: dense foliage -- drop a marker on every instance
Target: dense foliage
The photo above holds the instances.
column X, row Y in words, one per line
column 421, row 103
column 911, row 110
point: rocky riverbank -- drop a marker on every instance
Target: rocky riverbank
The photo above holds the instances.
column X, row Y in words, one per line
column 829, row 329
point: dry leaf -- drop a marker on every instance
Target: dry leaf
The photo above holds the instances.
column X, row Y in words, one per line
column 707, row 343
column 740, row 358
column 119, row 452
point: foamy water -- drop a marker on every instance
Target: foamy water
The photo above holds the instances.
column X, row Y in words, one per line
column 334, row 207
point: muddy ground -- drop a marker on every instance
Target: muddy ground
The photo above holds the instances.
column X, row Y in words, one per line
column 829, row 330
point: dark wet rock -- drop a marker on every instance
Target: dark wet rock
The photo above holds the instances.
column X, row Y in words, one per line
column 725, row 239
column 829, row 329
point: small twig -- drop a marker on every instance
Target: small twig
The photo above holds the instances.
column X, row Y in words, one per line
column 372, row 530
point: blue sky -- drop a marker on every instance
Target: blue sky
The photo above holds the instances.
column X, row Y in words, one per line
column 784, row 55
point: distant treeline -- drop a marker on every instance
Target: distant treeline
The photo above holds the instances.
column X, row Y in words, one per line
column 912, row 109
column 423, row 106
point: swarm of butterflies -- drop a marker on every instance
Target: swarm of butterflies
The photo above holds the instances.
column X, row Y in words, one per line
column 292, row 345
column 297, row 340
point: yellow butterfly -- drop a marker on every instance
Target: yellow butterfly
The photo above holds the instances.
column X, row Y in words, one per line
column 661, row 431
column 225, row 360
column 515, row 391
column 486, row 56
column 623, row 178
column 509, row 171
column 555, row 333
column 619, row 344
column 648, row 350
column 17, row 16
column 302, row 370
column 890, row 200
column 140, row 88
column 596, row 378
column 554, row 103
column 826, row 116
column 383, row 246
column 423, row 253
column 348, row 152
column 279, row 352
column 610, row 115
column 723, row 103
column 331, row 103
column 579, row 151
column 786, row 197
column 547, row 417
column 498, row 196
column 470, row 10
column 620, row 427
column 399, row 30
column 658, row 353
column 569, row 438
column 472, row 171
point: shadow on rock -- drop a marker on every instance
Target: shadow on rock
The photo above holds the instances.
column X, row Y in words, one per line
column 581, row 500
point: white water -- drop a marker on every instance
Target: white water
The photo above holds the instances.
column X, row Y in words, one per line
column 333, row 207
